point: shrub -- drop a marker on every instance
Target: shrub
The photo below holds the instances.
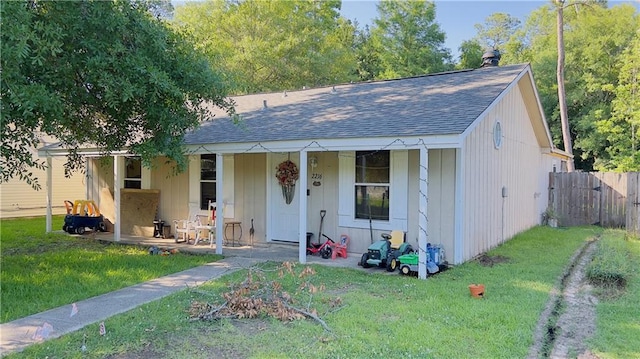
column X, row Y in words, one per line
column 611, row 264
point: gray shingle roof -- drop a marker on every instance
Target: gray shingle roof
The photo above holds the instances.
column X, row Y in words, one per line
column 437, row 104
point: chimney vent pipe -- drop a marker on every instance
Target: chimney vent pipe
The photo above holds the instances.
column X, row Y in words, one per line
column 490, row 58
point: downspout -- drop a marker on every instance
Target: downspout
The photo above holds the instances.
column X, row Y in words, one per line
column 49, row 225
column 302, row 203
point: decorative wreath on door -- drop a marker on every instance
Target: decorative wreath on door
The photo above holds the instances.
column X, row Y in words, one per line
column 287, row 173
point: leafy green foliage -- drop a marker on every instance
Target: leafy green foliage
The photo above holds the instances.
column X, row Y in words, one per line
column 617, row 316
column 470, row 55
column 600, row 87
column 612, row 265
column 272, row 45
column 497, row 30
column 367, row 55
column 408, row 39
column 622, row 128
column 103, row 74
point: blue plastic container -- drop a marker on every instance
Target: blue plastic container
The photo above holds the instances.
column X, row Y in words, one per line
column 435, row 253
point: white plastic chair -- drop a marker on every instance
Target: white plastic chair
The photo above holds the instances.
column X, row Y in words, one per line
column 206, row 222
column 183, row 228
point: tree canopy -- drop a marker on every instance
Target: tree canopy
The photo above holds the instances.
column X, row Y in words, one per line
column 408, row 40
column 600, row 56
column 115, row 74
column 497, row 30
column 103, row 74
column 272, row 45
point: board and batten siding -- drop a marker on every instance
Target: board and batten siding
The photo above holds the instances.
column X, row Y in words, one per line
column 174, row 191
column 490, row 216
column 18, row 199
column 441, row 199
column 251, row 195
column 324, row 196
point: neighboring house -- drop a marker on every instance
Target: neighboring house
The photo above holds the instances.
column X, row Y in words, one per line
column 19, row 199
column 460, row 159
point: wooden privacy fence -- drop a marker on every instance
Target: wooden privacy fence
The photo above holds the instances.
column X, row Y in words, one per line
column 606, row 199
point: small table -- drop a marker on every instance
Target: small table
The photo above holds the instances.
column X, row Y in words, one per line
column 233, row 225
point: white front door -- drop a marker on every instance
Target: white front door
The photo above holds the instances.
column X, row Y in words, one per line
column 283, row 217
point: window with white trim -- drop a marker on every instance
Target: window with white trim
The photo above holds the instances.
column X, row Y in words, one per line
column 207, row 180
column 132, row 172
column 372, row 183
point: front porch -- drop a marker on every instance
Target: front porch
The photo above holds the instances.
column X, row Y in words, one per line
column 277, row 252
column 245, row 188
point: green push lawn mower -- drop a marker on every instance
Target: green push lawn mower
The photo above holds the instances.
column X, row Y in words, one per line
column 385, row 252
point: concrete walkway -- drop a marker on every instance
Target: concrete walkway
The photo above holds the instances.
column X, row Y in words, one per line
column 20, row 333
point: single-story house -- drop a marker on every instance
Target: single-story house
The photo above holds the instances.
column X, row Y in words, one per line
column 19, row 199
column 458, row 159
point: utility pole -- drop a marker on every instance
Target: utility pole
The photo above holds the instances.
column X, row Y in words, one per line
column 564, row 117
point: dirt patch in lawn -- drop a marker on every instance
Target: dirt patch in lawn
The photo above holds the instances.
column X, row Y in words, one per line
column 569, row 318
column 489, row 261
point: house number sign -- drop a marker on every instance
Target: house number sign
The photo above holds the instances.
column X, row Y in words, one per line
column 317, row 179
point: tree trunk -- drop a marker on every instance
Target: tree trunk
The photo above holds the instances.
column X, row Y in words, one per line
column 566, row 134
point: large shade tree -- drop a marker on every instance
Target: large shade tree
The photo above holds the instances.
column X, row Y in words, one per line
column 493, row 34
column 409, row 40
column 272, row 45
column 471, row 52
column 598, row 40
column 496, row 30
column 107, row 74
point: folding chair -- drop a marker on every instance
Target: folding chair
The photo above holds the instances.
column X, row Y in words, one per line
column 206, row 222
column 183, row 228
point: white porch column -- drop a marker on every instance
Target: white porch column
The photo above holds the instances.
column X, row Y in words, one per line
column 422, row 216
column 219, row 202
column 87, row 176
column 302, row 203
column 49, row 194
column 116, row 197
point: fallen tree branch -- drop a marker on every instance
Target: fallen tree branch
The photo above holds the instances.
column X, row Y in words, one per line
column 209, row 315
column 309, row 315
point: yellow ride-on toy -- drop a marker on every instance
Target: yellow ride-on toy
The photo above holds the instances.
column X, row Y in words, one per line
column 83, row 214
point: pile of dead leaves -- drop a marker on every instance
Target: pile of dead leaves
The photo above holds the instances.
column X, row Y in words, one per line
column 257, row 296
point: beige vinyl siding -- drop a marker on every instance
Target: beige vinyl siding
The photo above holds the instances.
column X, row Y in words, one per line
column 100, row 179
column 173, row 188
column 100, row 175
column 441, row 193
column 250, row 194
column 324, row 197
column 18, row 199
column 489, row 219
column 174, row 191
column 441, row 199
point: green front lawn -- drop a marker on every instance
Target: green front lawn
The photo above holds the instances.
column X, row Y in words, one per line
column 378, row 315
column 371, row 314
column 42, row 271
